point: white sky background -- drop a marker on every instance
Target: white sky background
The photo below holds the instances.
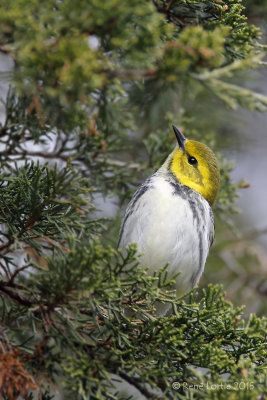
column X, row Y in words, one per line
column 6, row 64
column 251, row 162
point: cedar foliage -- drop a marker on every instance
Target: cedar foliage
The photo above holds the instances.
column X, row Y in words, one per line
column 85, row 75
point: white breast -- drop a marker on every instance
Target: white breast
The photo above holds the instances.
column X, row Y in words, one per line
column 170, row 225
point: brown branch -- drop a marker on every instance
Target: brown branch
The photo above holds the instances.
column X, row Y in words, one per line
column 4, row 50
column 250, row 235
column 254, row 234
column 7, row 244
column 29, row 225
column 130, row 74
column 18, row 270
column 5, row 270
column 244, row 278
column 7, row 289
column 42, row 155
column 137, row 384
column 168, row 5
column 41, row 310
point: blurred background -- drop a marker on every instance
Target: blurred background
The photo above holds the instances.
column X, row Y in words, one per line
column 238, row 259
column 242, row 252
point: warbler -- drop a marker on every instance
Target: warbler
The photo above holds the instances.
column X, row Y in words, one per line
column 170, row 216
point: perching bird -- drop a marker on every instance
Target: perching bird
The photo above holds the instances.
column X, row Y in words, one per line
column 170, row 216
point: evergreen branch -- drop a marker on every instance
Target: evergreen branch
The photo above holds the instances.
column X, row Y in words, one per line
column 28, row 226
column 41, row 154
column 58, row 155
column 235, row 95
column 118, row 163
column 228, row 70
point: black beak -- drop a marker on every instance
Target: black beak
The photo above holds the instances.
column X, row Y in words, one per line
column 180, row 137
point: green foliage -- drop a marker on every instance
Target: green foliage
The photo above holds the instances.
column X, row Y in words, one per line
column 94, row 90
column 37, row 201
column 83, row 297
column 65, row 52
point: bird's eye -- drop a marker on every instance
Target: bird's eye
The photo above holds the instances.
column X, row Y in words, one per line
column 192, row 160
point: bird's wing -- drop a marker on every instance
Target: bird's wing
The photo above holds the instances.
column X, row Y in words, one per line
column 132, row 209
column 212, row 228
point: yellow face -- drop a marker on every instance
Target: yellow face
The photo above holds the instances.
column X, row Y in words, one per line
column 196, row 167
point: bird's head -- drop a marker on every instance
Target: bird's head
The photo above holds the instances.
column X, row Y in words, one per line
column 194, row 165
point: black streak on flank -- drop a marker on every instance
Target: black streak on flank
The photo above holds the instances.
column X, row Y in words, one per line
column 198, row 217
column 212, row 234
column 198, row 212
column 138, row 194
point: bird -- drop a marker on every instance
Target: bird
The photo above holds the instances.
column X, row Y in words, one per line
column 170, row 215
